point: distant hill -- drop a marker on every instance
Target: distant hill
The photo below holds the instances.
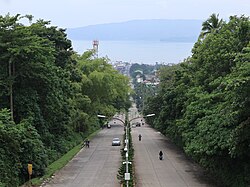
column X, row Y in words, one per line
column 157, row 30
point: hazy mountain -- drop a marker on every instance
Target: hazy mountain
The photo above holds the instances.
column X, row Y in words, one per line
column 158, row 30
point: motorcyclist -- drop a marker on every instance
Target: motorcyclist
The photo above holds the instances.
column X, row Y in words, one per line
column 140, row 137
column 160, row 155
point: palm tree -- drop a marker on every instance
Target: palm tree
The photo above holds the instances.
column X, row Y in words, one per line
column 211, row 25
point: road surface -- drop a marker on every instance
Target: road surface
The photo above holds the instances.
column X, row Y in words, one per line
column 95, row 166
column 175, row 170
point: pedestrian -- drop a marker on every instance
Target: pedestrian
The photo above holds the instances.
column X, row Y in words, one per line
column 87, row 143
column 140, row 137
column 160, row 155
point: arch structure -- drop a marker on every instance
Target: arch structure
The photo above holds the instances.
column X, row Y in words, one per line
column 129, row 120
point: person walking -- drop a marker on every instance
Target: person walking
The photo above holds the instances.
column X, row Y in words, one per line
column 87, row 143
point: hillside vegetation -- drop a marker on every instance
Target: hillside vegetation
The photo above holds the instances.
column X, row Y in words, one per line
column 204, row 104
column 49, row 96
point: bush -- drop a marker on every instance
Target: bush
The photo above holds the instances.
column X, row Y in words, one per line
column 20, row 145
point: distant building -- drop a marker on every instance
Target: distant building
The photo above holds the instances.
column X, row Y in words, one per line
column 122, row 67
column 139, row 79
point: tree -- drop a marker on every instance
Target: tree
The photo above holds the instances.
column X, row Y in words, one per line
column 205, row 102
column 52, row 93
column 106, row 88
column 211, row 25
column 19, row 46
column 20, row 144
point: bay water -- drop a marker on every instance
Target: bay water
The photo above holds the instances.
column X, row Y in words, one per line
column 142, row 52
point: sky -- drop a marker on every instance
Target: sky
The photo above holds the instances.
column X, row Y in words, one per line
column 78, row 13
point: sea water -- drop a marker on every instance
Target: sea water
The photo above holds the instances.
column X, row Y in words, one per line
column 142, row 52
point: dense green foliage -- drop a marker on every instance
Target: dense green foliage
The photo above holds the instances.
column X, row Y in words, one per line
column 49, row 96
column 143, row 69
column 204, row 104
column 20, row 144
column 142, row 90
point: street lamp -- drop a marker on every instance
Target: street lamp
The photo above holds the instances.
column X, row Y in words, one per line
column 149, row 115
column 126, row 149
column 101, row 116
column 127, row 174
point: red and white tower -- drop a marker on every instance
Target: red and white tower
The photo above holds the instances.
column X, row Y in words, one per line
column 95, row 47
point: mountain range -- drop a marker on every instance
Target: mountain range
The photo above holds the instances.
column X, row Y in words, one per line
column 147, row 30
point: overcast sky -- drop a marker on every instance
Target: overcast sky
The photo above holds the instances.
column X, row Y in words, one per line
column 77, row 13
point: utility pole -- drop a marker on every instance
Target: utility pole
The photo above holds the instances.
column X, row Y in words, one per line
column 127, row 174
column 11, row 88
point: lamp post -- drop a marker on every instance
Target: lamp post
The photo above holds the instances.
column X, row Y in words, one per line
column 150, row 115
column 127, row 174
column 126, row 149
column 101, row 116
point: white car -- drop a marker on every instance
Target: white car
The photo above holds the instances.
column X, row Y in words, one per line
column 116, row 142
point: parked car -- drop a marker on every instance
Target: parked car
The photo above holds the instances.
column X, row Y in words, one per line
column 116, row 142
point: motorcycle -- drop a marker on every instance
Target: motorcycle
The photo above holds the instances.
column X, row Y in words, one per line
column 161, row 157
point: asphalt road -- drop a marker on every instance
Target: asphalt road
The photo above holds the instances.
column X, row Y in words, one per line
column 175, row 170
column 95, row 166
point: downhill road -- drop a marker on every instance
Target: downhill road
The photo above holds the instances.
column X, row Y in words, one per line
column 175, row 170
column 95, row 166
